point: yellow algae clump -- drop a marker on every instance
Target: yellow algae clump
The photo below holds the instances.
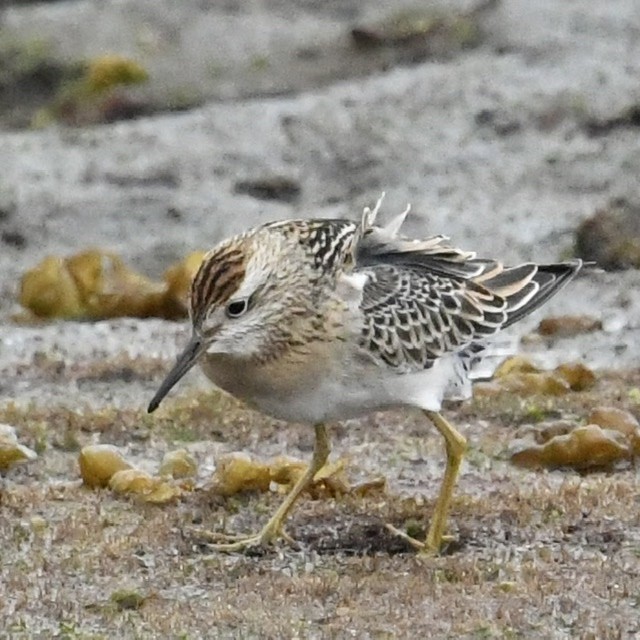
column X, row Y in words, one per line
column 578, row 376
column 50, row 291
column 132, row 481
column 516, row 364
column 96, row 92
column 178, row 464
column 141, row 484
column 567, row 445
column 238, row 472
column 519, row 375
column 618, row 420
column 89, row 285
column 99, row 462
column 11, row 451
column 112, row 70
column 97, row 284
column 178, row 279
column 103, row 465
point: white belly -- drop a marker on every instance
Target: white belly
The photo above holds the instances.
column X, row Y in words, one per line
column 315, row 393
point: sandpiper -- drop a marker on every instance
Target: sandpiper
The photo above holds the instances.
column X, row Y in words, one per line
column 320, row 320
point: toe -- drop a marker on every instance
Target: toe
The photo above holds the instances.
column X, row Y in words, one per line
column 237, row 543
column 416, row 544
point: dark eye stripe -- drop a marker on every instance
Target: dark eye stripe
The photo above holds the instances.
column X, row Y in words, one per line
column 218, row 278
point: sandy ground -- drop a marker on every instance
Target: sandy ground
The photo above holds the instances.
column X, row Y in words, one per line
column 493, row 144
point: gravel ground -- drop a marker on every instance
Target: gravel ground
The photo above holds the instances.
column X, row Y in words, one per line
column 505, row 144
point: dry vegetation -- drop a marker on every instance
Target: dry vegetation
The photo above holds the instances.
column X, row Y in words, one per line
column 552, row 554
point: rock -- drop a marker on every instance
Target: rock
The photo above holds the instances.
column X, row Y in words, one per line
column 611, row 237
column 568, row 326
column 270, row 188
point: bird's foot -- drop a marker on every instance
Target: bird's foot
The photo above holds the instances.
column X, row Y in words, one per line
column 232, row 543
column 429, row 548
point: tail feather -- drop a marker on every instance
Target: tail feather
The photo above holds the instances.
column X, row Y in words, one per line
column 549, row 278
column 506, row 282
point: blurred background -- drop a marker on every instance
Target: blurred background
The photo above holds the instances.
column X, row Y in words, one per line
column 153, row 128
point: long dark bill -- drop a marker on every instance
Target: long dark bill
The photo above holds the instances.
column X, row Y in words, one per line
column 185, row 361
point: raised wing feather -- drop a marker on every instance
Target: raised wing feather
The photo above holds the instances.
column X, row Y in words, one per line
column 413, row 316
column 425, row 298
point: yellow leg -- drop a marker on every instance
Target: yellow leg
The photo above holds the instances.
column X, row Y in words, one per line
column 456, row 446
column 273, row 529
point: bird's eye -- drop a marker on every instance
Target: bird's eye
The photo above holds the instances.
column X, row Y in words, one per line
column 236, row 308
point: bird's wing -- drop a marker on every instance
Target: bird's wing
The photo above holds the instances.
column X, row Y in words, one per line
column 412, row 316
column 423, row 299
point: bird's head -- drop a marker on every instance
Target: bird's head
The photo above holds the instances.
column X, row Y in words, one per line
column 239, row 301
